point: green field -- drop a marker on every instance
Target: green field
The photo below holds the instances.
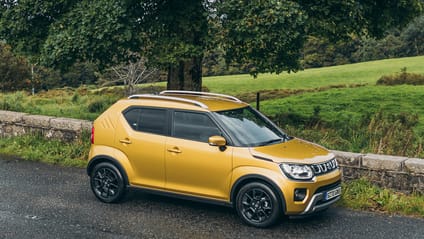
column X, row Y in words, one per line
column 360, row 73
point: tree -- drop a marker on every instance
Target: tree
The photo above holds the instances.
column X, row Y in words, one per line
column 267, row 35
column 413, row 37
column 133, row 73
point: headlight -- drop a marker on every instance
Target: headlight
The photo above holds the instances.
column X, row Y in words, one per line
column 297, row 171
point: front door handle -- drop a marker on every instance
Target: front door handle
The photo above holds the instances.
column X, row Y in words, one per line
column 125, row 141
column 174, row 150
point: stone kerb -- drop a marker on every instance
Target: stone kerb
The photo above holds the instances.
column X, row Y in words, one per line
column 66, row 129
column 415, row 165
column 383, row 162
column 399, row 173
column 11, row 117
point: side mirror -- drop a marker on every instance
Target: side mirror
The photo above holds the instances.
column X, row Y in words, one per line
column 217, row 141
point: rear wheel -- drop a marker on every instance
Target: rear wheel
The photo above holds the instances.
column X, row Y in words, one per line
column 257, row 205
column 107, row 183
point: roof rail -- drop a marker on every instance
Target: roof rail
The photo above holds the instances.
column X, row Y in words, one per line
column 170, row 98
column 197, row 93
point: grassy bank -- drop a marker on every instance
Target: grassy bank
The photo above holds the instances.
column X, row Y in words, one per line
column 362, row 195
column 37, row 148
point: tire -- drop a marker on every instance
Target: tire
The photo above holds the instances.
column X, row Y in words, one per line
column 107, row 183
column 257, row 205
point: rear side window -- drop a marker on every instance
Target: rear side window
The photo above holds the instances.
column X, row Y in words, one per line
column 147, row 120
column 193, row 126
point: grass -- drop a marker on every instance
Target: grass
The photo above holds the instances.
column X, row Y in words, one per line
column 362, row 195
column 37, row 148
column 360, row 73
column 352, row 103
column 71, row 103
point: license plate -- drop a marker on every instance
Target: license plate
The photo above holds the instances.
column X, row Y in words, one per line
column 333, row 193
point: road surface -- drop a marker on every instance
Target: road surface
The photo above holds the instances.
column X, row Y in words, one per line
column 48, row 201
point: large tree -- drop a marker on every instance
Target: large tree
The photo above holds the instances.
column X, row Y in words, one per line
column 174, row 34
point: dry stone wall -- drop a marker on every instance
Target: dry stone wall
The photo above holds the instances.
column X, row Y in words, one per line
column 65, row 129
column 399, row 173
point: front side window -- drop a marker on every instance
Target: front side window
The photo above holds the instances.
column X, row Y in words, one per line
column 193, row 126
column 249, row 128
column 147, row 120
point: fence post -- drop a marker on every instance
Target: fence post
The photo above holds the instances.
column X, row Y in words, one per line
column 258, row 99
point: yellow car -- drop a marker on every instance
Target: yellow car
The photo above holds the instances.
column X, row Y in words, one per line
column 209, row 147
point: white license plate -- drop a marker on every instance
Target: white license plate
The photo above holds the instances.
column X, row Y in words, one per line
column 333, row 193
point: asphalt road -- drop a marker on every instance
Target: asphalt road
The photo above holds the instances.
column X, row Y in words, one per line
column 47, row 201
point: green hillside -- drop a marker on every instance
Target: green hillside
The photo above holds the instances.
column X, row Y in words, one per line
column 360, row 73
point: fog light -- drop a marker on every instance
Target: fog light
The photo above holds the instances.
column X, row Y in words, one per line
column 299, row 194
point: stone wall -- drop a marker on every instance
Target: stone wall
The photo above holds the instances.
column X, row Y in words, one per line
column 16, row 124
column 399, row 173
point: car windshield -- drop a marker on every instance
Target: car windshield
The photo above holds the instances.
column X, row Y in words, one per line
column 249, row 128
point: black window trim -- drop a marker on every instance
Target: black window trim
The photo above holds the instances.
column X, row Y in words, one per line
column 167, row 119
column 208, row 114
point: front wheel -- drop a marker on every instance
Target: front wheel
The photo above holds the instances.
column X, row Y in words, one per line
column 257, row 205
column 107, row 183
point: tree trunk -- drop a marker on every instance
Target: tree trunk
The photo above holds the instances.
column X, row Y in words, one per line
column 187, row 75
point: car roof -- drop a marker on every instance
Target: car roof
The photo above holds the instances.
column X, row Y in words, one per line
column 193, row 100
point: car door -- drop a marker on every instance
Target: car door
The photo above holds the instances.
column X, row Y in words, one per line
column 192, row 165
column 142, row 138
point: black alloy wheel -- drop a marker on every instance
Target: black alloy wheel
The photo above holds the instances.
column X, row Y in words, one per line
column 107, row 183
column 257, row 205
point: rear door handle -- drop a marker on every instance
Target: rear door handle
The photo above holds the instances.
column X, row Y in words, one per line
column 125, row 141
column 174, row 150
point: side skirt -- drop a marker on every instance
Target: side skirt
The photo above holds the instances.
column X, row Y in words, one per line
column 182, row 196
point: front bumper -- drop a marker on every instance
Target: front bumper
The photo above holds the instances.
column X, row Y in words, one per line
column 318, row 203
column 317, row 196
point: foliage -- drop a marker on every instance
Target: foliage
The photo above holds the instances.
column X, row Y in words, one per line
column 100, row 105
column 79, row 74
column 94, row 31
column 45, row 78
column 402, row 78
column 319, row 51
column 12, row 102
column 413, row 38
column 14, row 71
column 66, row 102
column 361, row 194
column 266, row 36
column 397, row 43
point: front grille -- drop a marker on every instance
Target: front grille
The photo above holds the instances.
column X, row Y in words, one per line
column 329, row 187
column 326, row 167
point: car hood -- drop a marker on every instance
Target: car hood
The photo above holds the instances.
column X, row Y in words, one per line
column 292, row 151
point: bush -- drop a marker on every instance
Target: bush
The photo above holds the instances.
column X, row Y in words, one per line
column 100, row 105
column 402, row 78
column 12, row 102
column 81, row 73
column 14, row 71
